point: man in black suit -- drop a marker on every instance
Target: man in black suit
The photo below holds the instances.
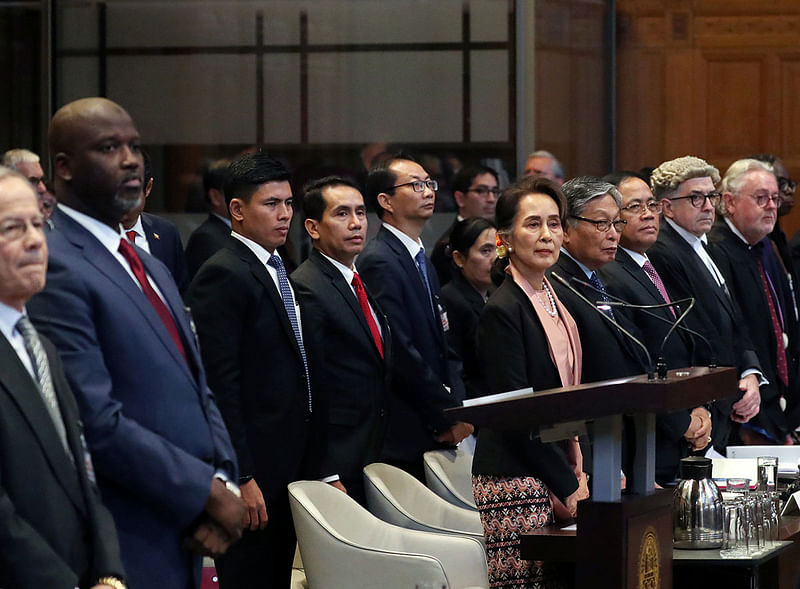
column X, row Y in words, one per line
column 352, row 337
column 54, row 530
column 630, row 276
column 395, row 269
column 750, row 200
column 685, row 188
column 607, row 353
column 156, row 235
column 213, row 233
column 249, row 324
column 475, row 190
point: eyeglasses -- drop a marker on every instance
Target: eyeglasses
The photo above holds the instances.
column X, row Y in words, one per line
column 639, row 208
column 786, row 185
column 604, row 225
column 762, row 198
column 420, row 185
column 699, row 199
column 484, row 190
column 14, row 230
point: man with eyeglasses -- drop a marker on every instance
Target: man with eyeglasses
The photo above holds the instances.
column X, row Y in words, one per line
column 475, row 190
column 633, row 278
column 741, row 250
column 685, row 188
column 395, row 269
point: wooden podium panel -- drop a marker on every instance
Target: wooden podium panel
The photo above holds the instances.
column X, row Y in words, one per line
column 686, row 387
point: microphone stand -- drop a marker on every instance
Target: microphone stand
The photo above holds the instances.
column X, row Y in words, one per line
column 650, row 371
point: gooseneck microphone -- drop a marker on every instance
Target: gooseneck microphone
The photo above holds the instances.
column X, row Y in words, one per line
column 650, row 367
column 618, row 302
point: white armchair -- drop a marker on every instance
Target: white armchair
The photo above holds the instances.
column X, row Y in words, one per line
column 448, row 473
column 398, row 498
column 343, row 545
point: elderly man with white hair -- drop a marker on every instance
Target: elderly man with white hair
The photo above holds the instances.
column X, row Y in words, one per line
column 685, row 187
column 28, row 164
column 741, row 250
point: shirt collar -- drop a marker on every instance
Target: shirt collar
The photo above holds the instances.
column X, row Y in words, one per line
column 107, row 236
column 347, row 273
column 640, row 259
column 260, row 251
column 9, row 317
column 687, row 236
column 410, row 244
column 580, row 264
column 736, row 232
column 138, row 227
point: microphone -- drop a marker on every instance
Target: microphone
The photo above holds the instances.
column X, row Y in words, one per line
column 650, row 371
column 618, row 302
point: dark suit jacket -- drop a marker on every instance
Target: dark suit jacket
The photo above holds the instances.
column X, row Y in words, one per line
column 737, row 263
column 254, row 366
column 151, row 422
column 54, row 530
column 624, row 278
column 351, row 379
column 205, row 241
column 514, row 351
column 464, row 305
column 421, row 360
column 607, row 352
column 442, row 262
column 165, row 244
column 715, row 315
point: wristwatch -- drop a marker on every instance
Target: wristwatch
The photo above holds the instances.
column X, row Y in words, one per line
column 111, row 582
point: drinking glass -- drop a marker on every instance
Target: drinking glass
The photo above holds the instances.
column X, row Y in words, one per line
column 767, row 473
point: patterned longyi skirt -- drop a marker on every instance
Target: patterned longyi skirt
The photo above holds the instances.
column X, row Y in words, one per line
column 509, row 506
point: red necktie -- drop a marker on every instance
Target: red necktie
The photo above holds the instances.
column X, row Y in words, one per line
column 783, row 368
column 127, row 251
column 361, row 295
column 656, row 279
column 131, row 236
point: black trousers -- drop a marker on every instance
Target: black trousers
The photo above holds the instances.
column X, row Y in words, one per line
column 262, row 558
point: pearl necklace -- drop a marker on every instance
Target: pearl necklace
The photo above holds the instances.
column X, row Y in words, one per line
column 554, row 311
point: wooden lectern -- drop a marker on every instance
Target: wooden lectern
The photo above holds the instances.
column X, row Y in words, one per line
column 622, row 542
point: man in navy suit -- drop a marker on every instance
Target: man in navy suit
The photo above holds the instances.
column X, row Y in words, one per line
column 155, row 235
column 54, row 530
column 399, row 274
column 351, row 368
column 162, row 455
column 255, row 339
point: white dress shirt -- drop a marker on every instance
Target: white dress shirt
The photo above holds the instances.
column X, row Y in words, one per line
column 141, row 238
column 347, row 274
column 9, row 317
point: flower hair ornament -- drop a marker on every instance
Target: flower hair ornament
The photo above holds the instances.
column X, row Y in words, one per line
column 502, row 249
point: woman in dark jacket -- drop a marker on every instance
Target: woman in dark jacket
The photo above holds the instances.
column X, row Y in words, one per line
column 473, row 251
column 526, row 339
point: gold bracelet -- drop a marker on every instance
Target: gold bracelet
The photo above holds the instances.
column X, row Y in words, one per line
column 111, row 582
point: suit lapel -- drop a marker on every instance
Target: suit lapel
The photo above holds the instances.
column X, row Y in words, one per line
column 261, row 274
column 410, row 268
column 344, row 289
column 105, row 263
column 22, row 390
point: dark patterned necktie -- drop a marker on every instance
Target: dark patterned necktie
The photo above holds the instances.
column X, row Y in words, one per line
column 288, row 304
column 594, row 280
column 423, row 274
